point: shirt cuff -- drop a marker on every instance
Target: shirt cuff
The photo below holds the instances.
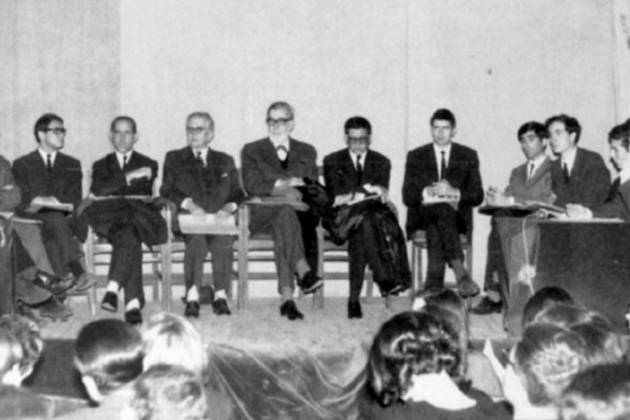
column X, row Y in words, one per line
column 186, row 202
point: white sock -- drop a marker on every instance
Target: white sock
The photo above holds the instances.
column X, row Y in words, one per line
column 113, row 286
column 192, row 294
column 220, row 294
column 133, row 304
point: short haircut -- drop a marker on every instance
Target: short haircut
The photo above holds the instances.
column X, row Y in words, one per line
column 357, row 123
column 567, row 315
column 109, row 351
column 603, row 345
column 444, row 115
column 131, row 121
column 26, row 332
column 43, row 122
column 542, row 299
column 10, row 352
column 171, row 339
column 411, row 343
column 205, row 115
column 598, row 393
column 282, row 105
column 571, row 124
column 538, row 129
column 548, row 357
column 621, row 132
column 167, row 392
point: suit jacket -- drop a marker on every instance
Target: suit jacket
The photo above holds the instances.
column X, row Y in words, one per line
column 62, row 182
column 538, row 188
column 589, row 184
column 421, row 171
column 340, row 174
column 262, row 167
column 617, row 207
column 108, row 178
column 184, row 178
column 9, row 192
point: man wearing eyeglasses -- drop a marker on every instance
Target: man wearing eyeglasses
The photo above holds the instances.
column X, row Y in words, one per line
column 201, row 181
column 49, row 179
column 275, row 167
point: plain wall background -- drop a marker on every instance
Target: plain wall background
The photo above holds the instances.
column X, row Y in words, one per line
column 496, row 64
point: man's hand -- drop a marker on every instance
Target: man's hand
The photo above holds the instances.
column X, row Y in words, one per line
column 578, row 212
column 289, row 182
column 443, row 188
column 196, row 211
column 41, row 200
column 497, row 198
column 381, row 192
column 342, row 199
column 144, row 172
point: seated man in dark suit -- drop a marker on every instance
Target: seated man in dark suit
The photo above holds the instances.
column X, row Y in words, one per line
column 530, row 181
column 352, row 173
column 48, row 177
column 579, row 176
column 442, row 184
column 201, row 181
column 126, row 223
column 275, row 166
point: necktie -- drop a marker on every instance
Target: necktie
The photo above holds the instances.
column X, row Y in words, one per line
column 124, row 162
column 48, row 162
column 359, row 170
column 530, row 173
column 565, row 171
column 443, row 166
column 200, row 159
column 282, row 153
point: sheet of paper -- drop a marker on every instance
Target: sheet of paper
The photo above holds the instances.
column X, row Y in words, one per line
column 209, row 225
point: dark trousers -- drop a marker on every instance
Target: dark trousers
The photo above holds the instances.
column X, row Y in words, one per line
column 363, row 250
column 283, row 224
column 197, row 248
column 443, row 227
column 495, row 264
column 308, row 223
column 61, row 246
column 126, row 262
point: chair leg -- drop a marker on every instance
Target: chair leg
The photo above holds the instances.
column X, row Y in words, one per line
column 91, row 299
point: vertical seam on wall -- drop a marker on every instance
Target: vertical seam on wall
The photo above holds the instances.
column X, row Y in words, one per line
column 407, row 29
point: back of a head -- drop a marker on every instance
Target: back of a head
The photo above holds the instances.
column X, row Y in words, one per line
column 598, row 393
column 26, row 332
column 171, row 339
column 110, row 352
column 542, row 299
column 411, row 343
column 567, row 315
column 603, row 344
column 165, row 392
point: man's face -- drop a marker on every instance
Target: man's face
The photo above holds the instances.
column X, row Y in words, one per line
column 198, row 133
column 123, row 138
column 53, row 138
column 442, row 132
column 358, row 140
column 280, row 123
column 619, row 154
column 532, row 145
column 560, row 139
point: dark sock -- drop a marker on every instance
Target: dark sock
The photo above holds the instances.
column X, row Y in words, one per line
column 76, row 268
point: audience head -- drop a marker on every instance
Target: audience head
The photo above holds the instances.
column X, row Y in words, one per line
column 199, row 130
column 358, row 131
column 564, row 133
column 532, row 137
column 567, row 315
column 123, row 134
column 108, row 355
column 409, row 344
column 49, row 131
column 542, row 299
column 443, row 127
column 171, row 339
column 27, row 334
column 603, row 345
column 598, row 393
column 619, row 139
column 10, row 359
column 165, row 392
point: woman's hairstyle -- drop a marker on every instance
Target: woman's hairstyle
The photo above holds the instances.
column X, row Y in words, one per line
column 603, row 345
column 170, row 339
column 109, row 351
column 10, row 352
column 411, row 343
column 543, row 299
column 567, row 315
column 26, row 332
column 166, row 392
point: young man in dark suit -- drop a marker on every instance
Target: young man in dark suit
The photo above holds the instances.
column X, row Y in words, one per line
column 351, row 173
column 201, row 181
column 530, row 181
column 579, row 176
column 126, row 223
column 443, row 169
column 51, row 177
column 275, row 166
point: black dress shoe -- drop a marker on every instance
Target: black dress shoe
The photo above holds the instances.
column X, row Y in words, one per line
column 133, row 316
column 388, row 287
column 486, row 307
column 54, row 309
column 467, row 288
column 220, row 307
column 354, row 310
column 53, row 284
column 310, row 282
column 291, row 311
column 110, row 302
column 192, row 309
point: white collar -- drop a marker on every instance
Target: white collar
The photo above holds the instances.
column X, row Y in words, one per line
column 439, row 390
column 44, row 155
column 354, row 157
column 569, row 158
column 121, row 157
column 277, row 142
column 439, row 150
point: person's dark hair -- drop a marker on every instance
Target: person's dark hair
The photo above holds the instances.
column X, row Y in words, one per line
column 131, row 121
column 167, row 392
column 109, row 351
column 572, row 125
column 282, row 105
column 538, row 129
column 598, row 393
column 205, row 115
column 411, row 343
column 43, row 122
column 621, row 132
column 567, row 315
column 27, row 334
column 603, row 344
column 444, row 115
column 542, row 299
column 356, row 123
column 548, row 357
